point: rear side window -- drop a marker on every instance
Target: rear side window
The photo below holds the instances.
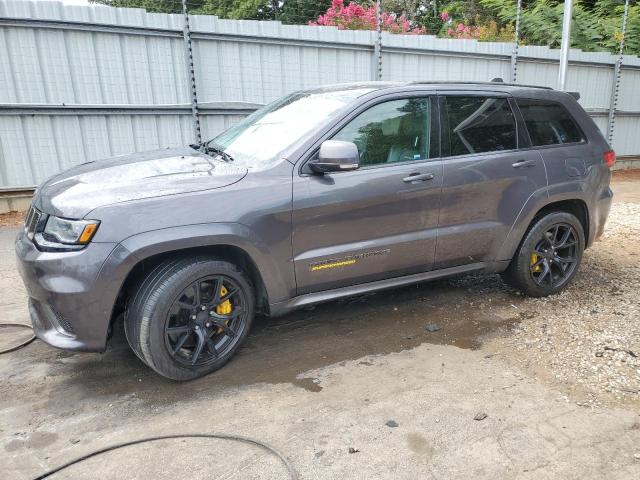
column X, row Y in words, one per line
column 480, row 124
column 548, row 123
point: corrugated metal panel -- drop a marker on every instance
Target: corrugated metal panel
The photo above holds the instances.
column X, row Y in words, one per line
column 630, row 89
column 54, row 54
column 625, row 139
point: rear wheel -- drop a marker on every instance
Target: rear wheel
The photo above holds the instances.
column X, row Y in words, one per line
column 189, row 316
column 549, row 255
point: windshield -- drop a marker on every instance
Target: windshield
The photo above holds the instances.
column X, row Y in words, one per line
column 258, row 139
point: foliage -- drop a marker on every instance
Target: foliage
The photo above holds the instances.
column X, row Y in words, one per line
column 612, row 26
column 486, row 32
column 288, row 11
column 300, row 12
column 432, row 23
column 410, row 9
column 466, row 11
column 596, row 25
column 159, row 6
column 358, row 17
column 239, row 9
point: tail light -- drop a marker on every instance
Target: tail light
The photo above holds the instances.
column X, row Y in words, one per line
column 609, row 158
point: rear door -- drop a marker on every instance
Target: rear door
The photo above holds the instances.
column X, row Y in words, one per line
column 378, row 221
column 486, row 179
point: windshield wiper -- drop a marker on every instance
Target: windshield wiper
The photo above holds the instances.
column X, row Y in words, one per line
column 209, row 148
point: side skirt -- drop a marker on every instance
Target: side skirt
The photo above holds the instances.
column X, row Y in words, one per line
column 280, row 308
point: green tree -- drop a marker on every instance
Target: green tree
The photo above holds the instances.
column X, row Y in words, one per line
column 300, row 12
column 240, row 9
column 596, row 24
column 287, row 11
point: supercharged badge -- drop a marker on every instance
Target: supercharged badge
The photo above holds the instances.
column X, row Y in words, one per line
column 345, row 261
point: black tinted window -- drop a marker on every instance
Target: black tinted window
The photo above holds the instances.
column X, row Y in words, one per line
column 480, row 124
column 548, row 123
column 394, row 131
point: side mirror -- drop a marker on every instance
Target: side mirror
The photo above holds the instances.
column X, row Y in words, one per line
column 336, row 156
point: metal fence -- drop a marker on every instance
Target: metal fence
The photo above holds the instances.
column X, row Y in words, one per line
column 82, row 83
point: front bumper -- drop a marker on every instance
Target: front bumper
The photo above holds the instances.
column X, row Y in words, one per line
column 70, row 308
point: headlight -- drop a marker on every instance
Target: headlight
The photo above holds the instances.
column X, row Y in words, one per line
column 63, row 234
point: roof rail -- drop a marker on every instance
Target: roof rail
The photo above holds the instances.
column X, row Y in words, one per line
column 492, row 82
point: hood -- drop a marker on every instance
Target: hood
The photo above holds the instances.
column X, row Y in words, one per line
column 75, row 192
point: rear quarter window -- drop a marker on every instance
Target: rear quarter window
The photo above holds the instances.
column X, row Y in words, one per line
column 549, row 123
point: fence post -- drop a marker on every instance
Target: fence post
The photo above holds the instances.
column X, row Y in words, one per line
column 186, row 33
column 565, row 45
column 617, row 71
column 377, row 50
column 514, row 54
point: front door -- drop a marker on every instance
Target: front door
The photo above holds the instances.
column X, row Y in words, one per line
column 375, row 222
column 487, row 179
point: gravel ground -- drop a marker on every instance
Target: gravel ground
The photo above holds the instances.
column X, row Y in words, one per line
column 11, row 219
column 586, row 340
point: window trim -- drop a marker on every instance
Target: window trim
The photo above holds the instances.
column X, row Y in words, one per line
column 445, row 143
column 523, row 139
column 304, row 171
column 584, row 141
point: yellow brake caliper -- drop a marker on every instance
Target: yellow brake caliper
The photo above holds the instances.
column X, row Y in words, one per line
column 225, row 307
column 534, row 259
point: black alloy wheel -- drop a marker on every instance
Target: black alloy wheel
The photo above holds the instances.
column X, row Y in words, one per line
column 554, row 257
column 204, row 321
column 548, row 256
column 189, row 315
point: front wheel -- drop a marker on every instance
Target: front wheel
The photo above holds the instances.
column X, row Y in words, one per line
column 189, row 316
column 549, row 255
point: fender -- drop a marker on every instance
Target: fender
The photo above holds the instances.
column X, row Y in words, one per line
column 279, row 284
column 573, row 190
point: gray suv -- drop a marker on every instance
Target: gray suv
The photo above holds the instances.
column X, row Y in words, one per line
column 322, row 194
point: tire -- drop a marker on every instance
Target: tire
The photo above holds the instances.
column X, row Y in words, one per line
column 159, row 306
column 536, row 252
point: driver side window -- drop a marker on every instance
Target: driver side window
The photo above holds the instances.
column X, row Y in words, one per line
column 393, row 131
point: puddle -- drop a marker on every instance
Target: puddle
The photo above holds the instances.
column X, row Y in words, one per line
column 310, row 384
column 466, row 310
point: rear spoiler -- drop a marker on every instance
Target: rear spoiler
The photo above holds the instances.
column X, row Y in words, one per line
column 575, row 95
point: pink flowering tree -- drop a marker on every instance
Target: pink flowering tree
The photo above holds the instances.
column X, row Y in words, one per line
column 488, row 32
column 460, row 31
column 357, row 17
column 479, row 30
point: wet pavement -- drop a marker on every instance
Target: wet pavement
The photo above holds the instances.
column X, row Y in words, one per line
column 280, row 350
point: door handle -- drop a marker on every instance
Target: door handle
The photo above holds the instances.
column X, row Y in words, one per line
column 524, row 163
column 418, row 177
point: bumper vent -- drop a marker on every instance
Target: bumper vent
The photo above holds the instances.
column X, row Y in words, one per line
column 63, row 322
